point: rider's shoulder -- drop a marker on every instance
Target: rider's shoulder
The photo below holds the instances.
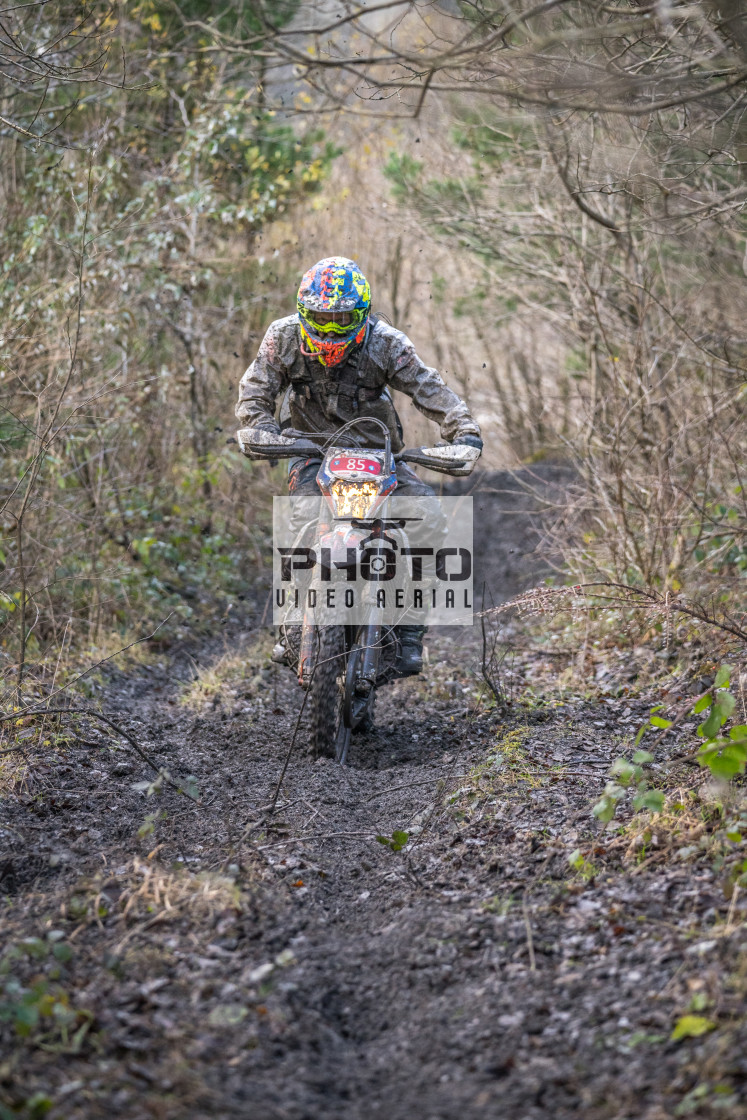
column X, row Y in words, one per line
column 281, row 338
column 388, row 337
column 284, row 327
column 390, row 349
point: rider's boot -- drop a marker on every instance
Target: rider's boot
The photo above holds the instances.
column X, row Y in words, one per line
column 410, row 660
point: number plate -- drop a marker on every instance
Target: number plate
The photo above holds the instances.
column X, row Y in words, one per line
column 348, row 464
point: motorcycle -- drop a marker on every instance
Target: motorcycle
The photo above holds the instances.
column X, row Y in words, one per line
column 342, row 665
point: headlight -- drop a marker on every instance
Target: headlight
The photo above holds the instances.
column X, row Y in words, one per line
column 353, row 499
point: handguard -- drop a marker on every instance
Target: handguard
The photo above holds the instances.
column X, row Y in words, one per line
column 257, row 443
column 451, row 458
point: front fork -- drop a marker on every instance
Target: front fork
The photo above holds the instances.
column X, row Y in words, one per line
column 369, row 642
column 309, row 651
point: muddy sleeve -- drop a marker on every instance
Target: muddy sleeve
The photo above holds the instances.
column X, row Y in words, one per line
column 260, row 386
column 429, row 393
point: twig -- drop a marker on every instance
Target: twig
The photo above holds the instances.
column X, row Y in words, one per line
column 319, row 836
column 487, row 665
column 411, row 785
column 270, row 808
column 274, row 801
column 654, row 858
column 542, row 600
column 295, row 734
column 172, row 911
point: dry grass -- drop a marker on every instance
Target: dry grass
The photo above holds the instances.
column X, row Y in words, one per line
column 622, row 639
column 146, row 894
column 13, row 773
column 506, row 766
column 212, row 681
column 151, row 889
column 695, row 825
column 235, row 673
column 682, row 829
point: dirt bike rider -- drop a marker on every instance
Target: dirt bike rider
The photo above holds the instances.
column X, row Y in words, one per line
column 334, row 361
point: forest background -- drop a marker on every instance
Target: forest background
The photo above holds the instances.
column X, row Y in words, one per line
column 550, row 199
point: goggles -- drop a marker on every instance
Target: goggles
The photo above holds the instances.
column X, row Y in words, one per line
column 334, row 322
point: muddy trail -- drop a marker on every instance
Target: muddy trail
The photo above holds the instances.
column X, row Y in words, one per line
column 205, row 958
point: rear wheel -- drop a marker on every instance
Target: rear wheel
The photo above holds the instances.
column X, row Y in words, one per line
column 325, row 691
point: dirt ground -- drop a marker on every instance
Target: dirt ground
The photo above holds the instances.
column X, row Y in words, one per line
column 198, row 958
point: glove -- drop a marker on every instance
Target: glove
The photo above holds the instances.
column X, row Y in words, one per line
column 470, row 440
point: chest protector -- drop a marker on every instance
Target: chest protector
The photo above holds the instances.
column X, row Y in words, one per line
column 339, row 391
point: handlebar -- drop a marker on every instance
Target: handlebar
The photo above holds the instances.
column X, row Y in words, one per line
column 452, row 458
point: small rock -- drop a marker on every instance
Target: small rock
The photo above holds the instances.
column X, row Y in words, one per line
column 260, row 973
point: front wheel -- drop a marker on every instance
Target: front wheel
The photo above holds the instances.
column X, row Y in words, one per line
column 325, row 692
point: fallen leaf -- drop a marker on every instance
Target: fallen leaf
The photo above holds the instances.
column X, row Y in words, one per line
column 691, row 1026
column 227, row 1015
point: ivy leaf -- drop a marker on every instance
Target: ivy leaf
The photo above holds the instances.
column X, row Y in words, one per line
column 604, row 810
column 39, row 1105
column 191, row 788
column 657, row 721
column 691, row 1026
column 722, row 677
column 711, row 726
column 624, row 771
column 27, row 1017
column 651, row 799
column 702, row 704
column 723, row 758
column 724, row 705
column 699, row 1002
column 396, row 841
column 739, row 732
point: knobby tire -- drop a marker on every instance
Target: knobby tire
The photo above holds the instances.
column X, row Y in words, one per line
column 325, row 699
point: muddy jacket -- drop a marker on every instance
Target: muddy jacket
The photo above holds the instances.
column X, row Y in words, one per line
column 317, row 399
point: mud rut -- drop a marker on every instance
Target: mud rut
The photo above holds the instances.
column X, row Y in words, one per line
column 470, row 975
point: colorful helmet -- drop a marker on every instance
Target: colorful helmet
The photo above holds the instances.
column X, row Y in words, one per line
column 334, row 303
